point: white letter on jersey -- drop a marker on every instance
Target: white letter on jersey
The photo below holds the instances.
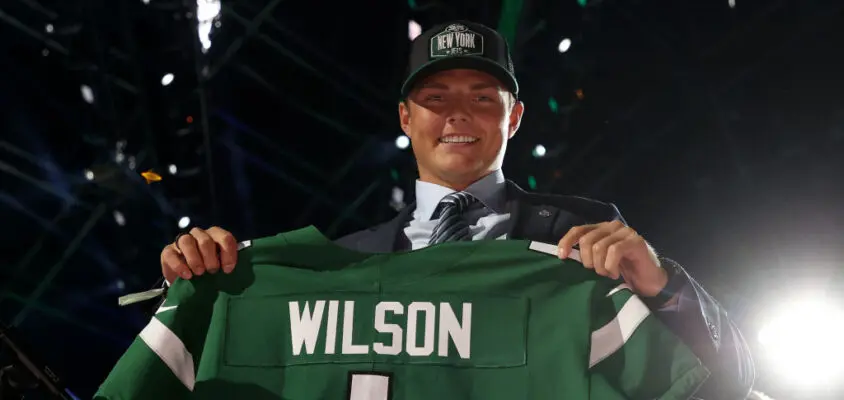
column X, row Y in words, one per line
column 304, row 327
column 331, row 329
column 383, row 327
column 428, row 338
column 348, row 327
column 461, row 333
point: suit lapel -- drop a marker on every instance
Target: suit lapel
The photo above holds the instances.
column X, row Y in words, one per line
column 388, row 237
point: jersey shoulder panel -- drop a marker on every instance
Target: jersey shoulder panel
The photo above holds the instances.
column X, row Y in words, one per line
column 634, row 352
column 305, row 248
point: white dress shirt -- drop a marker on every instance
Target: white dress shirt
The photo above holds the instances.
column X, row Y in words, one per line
column 488, row 218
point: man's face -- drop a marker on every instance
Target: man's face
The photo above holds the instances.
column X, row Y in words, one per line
column 459, row 122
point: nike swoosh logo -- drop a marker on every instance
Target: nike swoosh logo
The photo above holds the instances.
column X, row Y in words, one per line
column 163, row 309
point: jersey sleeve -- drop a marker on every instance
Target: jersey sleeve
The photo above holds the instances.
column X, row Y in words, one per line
column 162, row 361
column 633, row 354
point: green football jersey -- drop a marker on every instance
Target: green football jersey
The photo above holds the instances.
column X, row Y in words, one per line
column 302, row 318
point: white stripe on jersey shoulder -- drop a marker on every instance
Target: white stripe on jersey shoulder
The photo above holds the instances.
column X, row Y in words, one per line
column 163, row 309
column 619, row 288
column 170, row 350
column 612, row 336
column 552, row 250
column 244, row 244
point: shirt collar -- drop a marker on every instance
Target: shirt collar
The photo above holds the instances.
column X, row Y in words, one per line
column 489, row 190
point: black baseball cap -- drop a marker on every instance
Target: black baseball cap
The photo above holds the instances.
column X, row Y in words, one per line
column 460, row 44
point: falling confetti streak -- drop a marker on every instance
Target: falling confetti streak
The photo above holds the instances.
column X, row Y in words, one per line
column 151, row 176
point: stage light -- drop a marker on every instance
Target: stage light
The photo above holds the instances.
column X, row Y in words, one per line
column 89, row 175
column 173, row 169
column 145, row 1
column 119, row 218
column 802, row 343
column 167, row 79
column 184, row 222
column 206, row 12
column 732, row 3
column 87, row 94
column 539, row 151
column 402, row 142
column 397, row 199
column 553, row 105
column 564, row 45
column 413, row 29
column 49, row 28
column 119, row 155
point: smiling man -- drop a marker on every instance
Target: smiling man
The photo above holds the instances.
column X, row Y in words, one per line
column 459, row 122
column 459, row 108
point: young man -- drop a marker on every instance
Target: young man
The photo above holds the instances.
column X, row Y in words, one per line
column 460, row 107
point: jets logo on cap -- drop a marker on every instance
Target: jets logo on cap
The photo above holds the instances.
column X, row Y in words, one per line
column 457, row 40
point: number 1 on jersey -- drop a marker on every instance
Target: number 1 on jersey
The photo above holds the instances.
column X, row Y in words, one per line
column 369, row 386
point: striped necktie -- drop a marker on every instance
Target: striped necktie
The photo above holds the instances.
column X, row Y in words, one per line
column 451, row 226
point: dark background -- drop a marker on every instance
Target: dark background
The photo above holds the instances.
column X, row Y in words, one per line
column 717, row 129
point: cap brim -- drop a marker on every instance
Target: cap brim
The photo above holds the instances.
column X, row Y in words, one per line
column 460, row 62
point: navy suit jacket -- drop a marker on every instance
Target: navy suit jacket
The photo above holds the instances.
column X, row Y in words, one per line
column 702, row 323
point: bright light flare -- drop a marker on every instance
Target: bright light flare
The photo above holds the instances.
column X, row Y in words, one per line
column 539, row 151
column 87, row 94
column 184, row 222
column 119, row 218
column 206, row 12
column 804, row 344
column 413, row 29
column 167, row 79
column 564, row 45
column 402, row 142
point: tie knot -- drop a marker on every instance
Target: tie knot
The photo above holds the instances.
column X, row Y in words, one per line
column 459, row 201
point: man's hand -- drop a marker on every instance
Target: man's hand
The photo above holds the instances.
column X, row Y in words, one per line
column 197, row 252
column 615, row 250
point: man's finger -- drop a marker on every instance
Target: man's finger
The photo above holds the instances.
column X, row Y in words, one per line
column 600, row 251
column 173, row 264
column 587, row 245
column 616, row 252
column 227, row 246
column 190, row 250
column 571, row 237
column 207, row 249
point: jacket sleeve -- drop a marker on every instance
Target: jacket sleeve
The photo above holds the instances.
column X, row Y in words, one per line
column 705, row 326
